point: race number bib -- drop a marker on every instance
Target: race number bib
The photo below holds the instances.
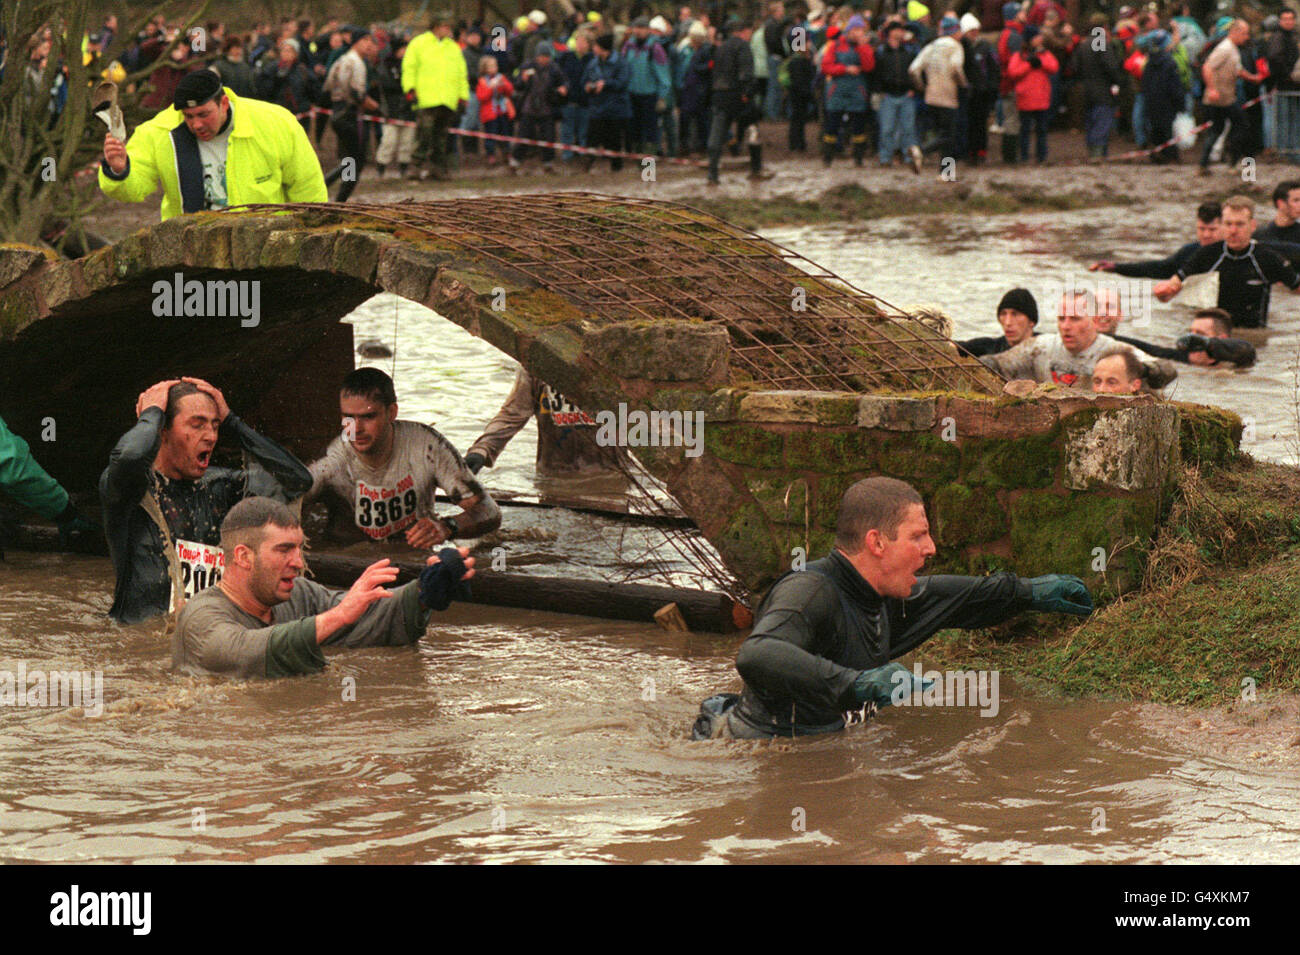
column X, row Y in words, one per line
column 384, row 511
column 201, row 566
column 563, row 412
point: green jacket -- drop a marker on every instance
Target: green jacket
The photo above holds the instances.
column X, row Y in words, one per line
column 268, row 159
column 435, row 69
column 26, row 481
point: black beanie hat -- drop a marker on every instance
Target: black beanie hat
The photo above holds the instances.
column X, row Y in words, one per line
column 1021, row 301
column 196, row 88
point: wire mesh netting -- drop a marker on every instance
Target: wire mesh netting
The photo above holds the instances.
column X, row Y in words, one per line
column 793, row 324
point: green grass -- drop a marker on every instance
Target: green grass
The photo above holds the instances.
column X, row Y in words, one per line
column 1220, row 605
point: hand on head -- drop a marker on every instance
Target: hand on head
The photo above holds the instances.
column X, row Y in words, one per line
column 155, row 396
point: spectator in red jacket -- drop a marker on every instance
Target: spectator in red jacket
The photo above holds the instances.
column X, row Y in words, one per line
column 1031, row 71
column 496, row 108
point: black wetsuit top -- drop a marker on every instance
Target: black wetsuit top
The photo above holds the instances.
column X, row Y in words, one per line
column 816, row 630
column 1274, row 232
column 1158, row 268
column 992, row 345
column 1235, row 350
column 1245, row 279
column 194, row 510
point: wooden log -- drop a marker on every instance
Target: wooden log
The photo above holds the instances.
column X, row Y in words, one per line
column 700, row 610
column 669, row 616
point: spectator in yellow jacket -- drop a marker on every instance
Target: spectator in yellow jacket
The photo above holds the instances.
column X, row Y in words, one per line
column 212, row 149
column 434, row 77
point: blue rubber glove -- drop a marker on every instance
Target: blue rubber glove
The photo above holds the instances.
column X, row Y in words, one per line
column 1060, row 593
column 879, row 685
column 441, row 581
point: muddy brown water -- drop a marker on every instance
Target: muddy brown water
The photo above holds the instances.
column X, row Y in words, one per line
column 521, row 736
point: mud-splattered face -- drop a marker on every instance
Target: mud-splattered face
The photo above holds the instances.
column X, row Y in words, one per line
column 187, row 443
column 277, row 562
column 369, row 422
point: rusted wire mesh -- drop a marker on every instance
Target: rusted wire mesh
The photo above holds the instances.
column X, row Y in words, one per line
column 793, row 324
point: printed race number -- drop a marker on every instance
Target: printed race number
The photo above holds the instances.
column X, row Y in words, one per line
column 379, row 518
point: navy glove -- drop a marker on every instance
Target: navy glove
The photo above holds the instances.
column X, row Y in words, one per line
column 474, row 461
column 1060, row 593
column 441, row 581
column 1192, row 343
column 73, row 525
column 879, row 685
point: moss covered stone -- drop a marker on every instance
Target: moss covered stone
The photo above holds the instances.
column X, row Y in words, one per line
column 784, row 499
column 1208, row 436
column 747, row 542
column 831, row 451
column 827, row 495
column 1029, row 461
column 1068, row 534
column 745, row 444
column 964, row 516
column 924, row 460
column 828, row 408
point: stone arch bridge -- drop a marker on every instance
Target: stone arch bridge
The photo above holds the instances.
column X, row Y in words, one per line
column 806, row 383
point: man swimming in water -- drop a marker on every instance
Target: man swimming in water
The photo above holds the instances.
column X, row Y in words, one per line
column 1246, row 270
column 1018, row 316
column 823, row 637
column 1208, row 341
column 263, row 620
column 164, row 501
column 1209, row 229
column 381, row 476
column 1067, row 357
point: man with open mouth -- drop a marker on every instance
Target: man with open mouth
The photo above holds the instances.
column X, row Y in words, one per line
column 819, row 655
column 263, row 619
column 164, row 501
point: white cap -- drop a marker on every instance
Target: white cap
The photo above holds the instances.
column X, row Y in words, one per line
column 969, row 22
column 698, row 29
column 660, row 25
column 538, row 17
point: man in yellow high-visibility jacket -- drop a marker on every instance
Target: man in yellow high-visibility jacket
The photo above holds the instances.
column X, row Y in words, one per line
column 434, row 75
column 213, row 149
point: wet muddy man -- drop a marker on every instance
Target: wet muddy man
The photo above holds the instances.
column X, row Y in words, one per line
column 823, row 637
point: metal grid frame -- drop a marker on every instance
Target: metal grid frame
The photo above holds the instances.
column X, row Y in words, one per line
column 624, row 258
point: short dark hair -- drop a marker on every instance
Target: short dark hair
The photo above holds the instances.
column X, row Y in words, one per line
column 1207, row 212
column 370, row 383
column 175, row 394
column 247, row 521
column 1284, row 189
column 1132, row 364
column 876, row 503
column 1221, row 317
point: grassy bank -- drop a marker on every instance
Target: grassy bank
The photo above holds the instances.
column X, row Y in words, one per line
column 1219, row 605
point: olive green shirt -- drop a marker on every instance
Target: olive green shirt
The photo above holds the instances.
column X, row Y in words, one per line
column 214, row 636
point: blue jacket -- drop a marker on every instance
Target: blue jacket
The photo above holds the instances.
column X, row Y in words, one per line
column 574, row 67
column 613, row 101
column 649, row 68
